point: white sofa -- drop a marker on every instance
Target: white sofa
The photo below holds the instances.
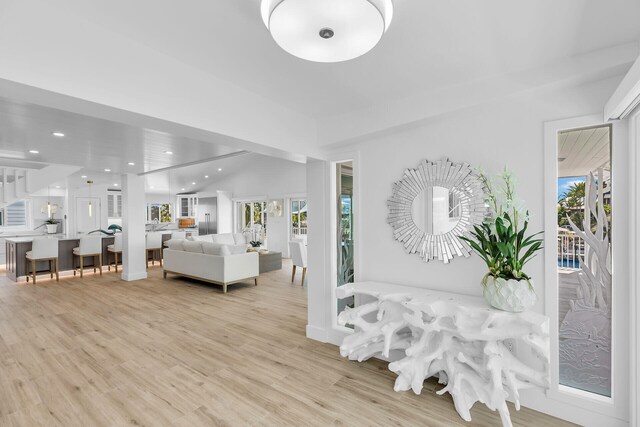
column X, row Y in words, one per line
column 211, row 262
column 231, row 239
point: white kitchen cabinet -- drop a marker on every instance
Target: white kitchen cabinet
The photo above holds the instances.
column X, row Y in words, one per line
column 187, row 206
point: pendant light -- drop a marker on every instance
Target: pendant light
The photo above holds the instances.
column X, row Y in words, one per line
column 90, row 199
column 48, row 202
column 327, row 30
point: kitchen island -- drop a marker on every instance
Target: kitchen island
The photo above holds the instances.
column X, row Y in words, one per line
column 17, row 247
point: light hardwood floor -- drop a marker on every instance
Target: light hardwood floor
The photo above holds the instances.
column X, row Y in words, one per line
column 104, row 352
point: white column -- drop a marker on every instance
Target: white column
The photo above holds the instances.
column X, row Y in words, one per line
column 319, row 222
column 133, row 228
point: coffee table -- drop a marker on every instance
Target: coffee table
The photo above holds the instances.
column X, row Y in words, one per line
column 270, row 261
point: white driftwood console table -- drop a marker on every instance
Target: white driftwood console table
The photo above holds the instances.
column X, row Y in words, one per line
column 459, row 339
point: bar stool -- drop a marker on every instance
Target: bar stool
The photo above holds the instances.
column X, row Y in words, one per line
column 154, row 244
column 115, row 249
column 178, row 235
column 43, row 249
column 90, row 246
column 175, row 235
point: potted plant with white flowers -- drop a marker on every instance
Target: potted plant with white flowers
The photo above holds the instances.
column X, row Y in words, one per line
column 502, row 243
column 52, row 225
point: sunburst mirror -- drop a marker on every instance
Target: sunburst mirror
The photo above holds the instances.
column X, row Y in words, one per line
column 433, row 205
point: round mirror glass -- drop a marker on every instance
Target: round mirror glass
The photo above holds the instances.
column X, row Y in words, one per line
column 436, row 210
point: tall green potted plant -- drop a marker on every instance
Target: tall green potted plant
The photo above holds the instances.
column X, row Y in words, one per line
column 502, row 243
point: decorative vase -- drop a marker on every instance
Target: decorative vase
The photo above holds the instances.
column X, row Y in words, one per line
column 52, row 228
column 509, row 295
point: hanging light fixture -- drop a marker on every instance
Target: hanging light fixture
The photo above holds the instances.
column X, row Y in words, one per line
column 48, row 202
column 327, row 30
column 90, row 199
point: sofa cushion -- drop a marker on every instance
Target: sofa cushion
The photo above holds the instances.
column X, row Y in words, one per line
column 192, row 246
column 176, row 244
column 225, row 238
column 215, row 249
column 240, row 239
column 237, row 249
column 203, row 238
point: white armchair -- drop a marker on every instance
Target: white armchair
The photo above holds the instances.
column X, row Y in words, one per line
column 298, row 252
column 90, row 247
column 43, row 249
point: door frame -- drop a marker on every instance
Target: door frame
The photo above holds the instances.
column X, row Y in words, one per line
column 593, row 407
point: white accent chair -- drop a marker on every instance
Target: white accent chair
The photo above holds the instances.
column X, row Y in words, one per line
column 154, row 245
column 43, row 249
column 298, row 252
column 90, row 247
column 116, row 250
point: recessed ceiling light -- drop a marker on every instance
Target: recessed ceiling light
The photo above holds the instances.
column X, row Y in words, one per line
column 168, row 152
column 219, row 169
column 193, row 183
column 58, row 134
column 115, row 185
column 57, row 186
column 34, row 151
column 182, row 189
column 107, row 170
column 206, row 176
column 83, row 176
column 131, row 164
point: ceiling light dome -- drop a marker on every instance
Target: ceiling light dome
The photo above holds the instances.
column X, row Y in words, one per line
column 327, row 30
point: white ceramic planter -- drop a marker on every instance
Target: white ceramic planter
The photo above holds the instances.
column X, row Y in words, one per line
column 52, row 228
column 509, row 295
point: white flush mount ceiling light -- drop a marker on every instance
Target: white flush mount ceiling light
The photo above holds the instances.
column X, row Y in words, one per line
column 327, row 30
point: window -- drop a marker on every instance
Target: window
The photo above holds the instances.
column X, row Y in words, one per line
column 298, row 218
column 253, row 213
column 160, row 212
column 345, row 239
column 15, row 214
column 584, row 268
column 114, row 204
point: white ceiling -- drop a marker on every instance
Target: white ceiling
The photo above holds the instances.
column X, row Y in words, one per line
column 136, row 57
column 430, row 44
column 582, row 151
column 97, row 144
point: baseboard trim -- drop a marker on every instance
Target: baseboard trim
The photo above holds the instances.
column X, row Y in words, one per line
column 331, row 336
column 134, row 276
column 316, row 333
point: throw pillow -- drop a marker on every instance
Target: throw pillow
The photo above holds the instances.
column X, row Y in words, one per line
column 215, row 249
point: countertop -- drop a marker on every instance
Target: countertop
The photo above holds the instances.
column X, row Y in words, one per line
column 29, row 238
column 22, row 239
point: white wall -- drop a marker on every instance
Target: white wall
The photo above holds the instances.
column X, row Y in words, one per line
column 505, row 132
column 96, row 191
column 266, row 178
column 509, row 133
